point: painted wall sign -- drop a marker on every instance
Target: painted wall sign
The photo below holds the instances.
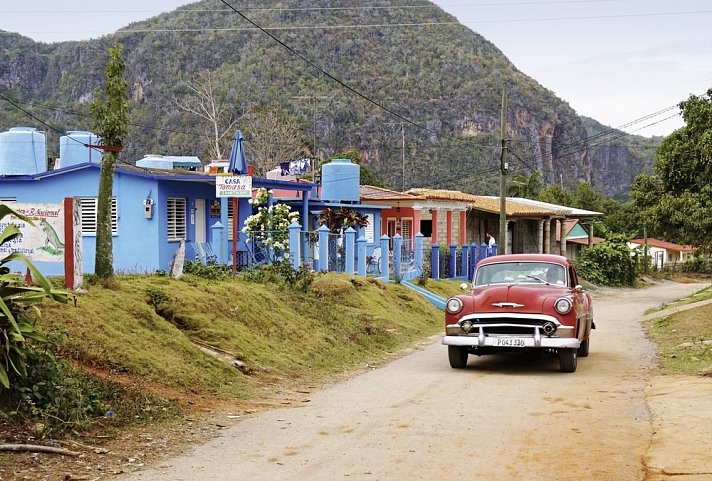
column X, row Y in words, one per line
column 233, row 186
column 44, row 241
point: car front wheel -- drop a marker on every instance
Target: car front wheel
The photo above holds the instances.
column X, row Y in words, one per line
column 583, row 348
column 567, row 359
column 457, row 356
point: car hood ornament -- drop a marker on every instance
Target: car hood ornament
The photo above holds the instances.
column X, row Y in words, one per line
column 507, row 304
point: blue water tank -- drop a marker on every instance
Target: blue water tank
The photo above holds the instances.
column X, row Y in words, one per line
column 73, row 150
column 340, row 180
column 23, row 151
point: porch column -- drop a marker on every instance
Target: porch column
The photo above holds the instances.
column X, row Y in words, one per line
column 547, row 236
column 448, row 227
column 562, row 235
column 434, row 235
column 416, row 222
column 463, row 227
column 590, row 234
column 540, row 237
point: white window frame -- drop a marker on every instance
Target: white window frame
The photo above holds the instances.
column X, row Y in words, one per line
column 369, row 231
column 89, row 207
column 176, row 219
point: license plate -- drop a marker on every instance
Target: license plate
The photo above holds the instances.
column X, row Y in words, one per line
column 509, row 342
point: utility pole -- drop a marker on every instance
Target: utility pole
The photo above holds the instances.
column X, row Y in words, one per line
column 503, row 167
column 403, row 156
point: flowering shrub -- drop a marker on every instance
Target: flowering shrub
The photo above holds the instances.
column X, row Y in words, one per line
column 269, row 226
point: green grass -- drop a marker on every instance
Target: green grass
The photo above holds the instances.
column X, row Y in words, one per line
column 443, row 288
column 143, row 327
column 681, row 338
column 698, row 296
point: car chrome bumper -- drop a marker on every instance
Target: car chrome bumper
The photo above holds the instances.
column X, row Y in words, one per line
column 537, row 340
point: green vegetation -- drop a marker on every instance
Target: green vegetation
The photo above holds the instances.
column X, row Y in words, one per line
column 444, row 77
column 609, row 263
column 110, row 109
column 685, row 341
column 677, row 201
column 152, row 332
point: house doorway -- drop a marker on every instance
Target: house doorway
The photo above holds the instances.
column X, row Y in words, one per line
column 201, row 225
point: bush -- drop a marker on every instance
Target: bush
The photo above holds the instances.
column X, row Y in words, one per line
column 281, row 273
column 701, row 264
column 610, row 263
column 211, row 271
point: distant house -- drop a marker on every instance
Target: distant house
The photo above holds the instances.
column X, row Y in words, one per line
column 663, row 253
column 449, row 217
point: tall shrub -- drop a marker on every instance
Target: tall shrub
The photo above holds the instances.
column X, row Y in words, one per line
column 18, row 307
column 610, row 263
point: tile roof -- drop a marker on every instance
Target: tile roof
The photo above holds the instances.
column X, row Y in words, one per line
column 671, row 246
column 370, row 192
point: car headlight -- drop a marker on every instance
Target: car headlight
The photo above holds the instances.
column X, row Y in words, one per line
column 453, row 305
column 563, row 305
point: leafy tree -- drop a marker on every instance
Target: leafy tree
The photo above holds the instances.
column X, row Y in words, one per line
column 110, row 112
column 678, row 202
column 556, row 195
column 525, row 187
column 17, row 306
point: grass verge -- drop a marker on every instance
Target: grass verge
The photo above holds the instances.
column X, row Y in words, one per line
column 684, row 340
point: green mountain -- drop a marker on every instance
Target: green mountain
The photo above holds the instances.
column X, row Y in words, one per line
column 444, row 78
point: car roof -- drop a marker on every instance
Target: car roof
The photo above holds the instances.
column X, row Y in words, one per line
column 554, row 259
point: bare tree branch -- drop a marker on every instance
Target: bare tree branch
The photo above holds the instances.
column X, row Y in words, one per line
column 205, row 102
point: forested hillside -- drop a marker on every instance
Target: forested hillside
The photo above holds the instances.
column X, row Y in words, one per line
column 444, row 77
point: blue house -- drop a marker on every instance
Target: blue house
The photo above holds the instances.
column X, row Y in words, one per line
column 152, row 211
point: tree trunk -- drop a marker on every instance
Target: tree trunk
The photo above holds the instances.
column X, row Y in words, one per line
column 104, row 260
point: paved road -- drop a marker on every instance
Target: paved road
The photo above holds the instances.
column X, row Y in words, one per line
column 503, row 418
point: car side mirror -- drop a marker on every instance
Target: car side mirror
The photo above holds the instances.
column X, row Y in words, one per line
column 578, row 288
column 464, row 286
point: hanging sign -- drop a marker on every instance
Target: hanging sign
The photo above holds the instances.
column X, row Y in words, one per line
column 233, row 186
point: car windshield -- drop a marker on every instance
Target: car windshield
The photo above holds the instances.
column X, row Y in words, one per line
column 521, row 272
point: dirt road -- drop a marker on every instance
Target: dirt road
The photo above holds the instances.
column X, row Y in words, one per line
column 502, row 418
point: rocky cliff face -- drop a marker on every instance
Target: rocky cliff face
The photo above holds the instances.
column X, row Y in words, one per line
column 448, row 80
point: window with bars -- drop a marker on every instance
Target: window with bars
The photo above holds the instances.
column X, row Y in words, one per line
column 89, row 207
column 176, row 215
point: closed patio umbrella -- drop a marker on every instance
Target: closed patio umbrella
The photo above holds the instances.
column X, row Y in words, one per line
column 238, row 161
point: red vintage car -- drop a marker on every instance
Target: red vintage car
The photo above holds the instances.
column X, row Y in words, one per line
column 519, row 302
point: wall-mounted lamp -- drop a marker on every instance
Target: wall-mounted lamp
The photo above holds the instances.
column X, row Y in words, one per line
column 397, row 206
column 430, row 210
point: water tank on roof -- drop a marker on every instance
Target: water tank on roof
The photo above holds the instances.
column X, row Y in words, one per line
column 73, row 150
column 23, row 151
column 340, row 181
column 155, row 161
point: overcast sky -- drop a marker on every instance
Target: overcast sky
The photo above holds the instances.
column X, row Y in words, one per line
column 617, row 61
